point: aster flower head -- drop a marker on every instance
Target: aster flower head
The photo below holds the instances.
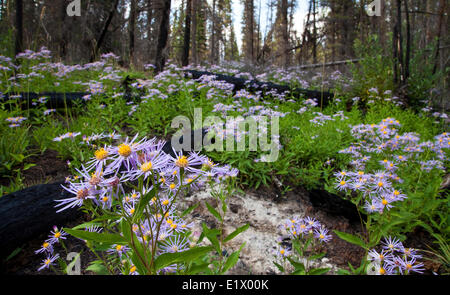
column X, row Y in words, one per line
column 322, row 235
column 48, row 261
column 175, row 244
column 392, row 244
column 56, row 235
column 46, row 247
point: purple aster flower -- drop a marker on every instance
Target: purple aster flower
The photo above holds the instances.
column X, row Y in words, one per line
column 322, row 235
column 56, row 235
column 392, row 244
column 48, row 261
column 175, row 244
column 82, row 192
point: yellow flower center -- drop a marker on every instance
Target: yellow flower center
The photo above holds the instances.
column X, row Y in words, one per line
column 380, row 184
column 82, row 194
column 105, row 199
column 45, row 245
column 321, row 237
column 124, row 150
column 382, row 271
column 47, row 262
column 146, row 166
column 119, row 247
column 132, row 269
column 396, row 193
column 131, row 210
column 282, row 251
column 384, row 202
column 173, row 225
column 182, row 162
column 342, row 182
column 57, row 235
column 165, row 202
column 172, row 186
column 101, row 154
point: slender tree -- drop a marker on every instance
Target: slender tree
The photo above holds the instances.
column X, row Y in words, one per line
column 19, row 27
column 163, row 36
column 187, row 33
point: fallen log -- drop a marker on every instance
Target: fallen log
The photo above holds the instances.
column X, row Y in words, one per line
column 335, row 205
column 323, row 97
column 28, row 213
column 54, row 100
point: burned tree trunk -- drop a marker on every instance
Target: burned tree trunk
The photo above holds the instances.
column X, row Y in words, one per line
column 187, row 34
column 19, row 27
column 163, row 36
column 99, row 42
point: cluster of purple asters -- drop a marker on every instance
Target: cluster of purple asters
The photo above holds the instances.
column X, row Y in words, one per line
column 106, row 178
column 375, row 140
column 56, row 236
column 15, row 121
column 301, row 228
column 395, row 259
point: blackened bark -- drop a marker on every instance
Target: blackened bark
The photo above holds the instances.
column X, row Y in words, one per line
column 163, row 36
column 99, row 42
column 442, row 4
column 19, row 27
column 408, row 43
column 187, row 34
column 131, row 28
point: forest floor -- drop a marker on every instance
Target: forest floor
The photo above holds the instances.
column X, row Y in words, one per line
column 261, row 208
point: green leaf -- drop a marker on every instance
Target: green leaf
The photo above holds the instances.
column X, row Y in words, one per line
column 187, row 256
column 350, row 238
column 343, row 272
column 14, row 253
column 279, row 266
column 317, row 256
column 318, row 271
column 297, row 265
column 195, row 269
column 213, row 211
column 18, row 157
column 28, row 166
column 299, row 272
column 236, row 232
column 189, row 210
column 211, row 234
column 232, row 259
column 98, row 267
column 93, row 236
column 143, row 202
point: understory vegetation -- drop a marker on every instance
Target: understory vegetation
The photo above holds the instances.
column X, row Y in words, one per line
column 364, row 146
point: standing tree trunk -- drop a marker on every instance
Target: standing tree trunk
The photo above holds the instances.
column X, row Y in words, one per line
column 284, row 32
column 149, row 26
column 442, row 4
column 314, row 34
column 163, row 36
column 132, row 26
column 194, row 32
column 408, row 44
column 99, row 42
column 19, row 27
column 213, row 33
column 187, row 34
